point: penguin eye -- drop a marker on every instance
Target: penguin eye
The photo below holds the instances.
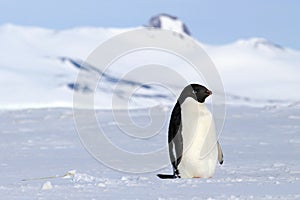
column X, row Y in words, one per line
column 194, row 92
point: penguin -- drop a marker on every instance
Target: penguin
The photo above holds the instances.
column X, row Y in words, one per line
column 193, row 146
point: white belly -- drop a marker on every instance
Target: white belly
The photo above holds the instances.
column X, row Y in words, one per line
column 200, row 151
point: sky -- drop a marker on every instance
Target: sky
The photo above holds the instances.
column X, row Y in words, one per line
column 210, row 21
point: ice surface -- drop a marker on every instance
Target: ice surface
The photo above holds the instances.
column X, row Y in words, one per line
column 261, row 159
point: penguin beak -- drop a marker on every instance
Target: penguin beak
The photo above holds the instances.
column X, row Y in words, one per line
column 209, row 92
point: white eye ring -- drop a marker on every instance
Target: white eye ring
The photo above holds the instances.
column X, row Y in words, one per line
column 194, row 92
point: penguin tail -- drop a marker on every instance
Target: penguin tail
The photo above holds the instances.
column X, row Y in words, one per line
column 167, row 176
column 170, row 176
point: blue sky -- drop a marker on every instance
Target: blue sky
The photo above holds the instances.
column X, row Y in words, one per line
column 210, row 21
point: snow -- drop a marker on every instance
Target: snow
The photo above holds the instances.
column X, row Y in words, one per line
column 261, row 150
column 168, row 22
column 42, row 157
column 259, row 71
column 47, row 186
column 40, row 65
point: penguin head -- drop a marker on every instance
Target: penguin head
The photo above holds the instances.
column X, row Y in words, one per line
column 195, row 91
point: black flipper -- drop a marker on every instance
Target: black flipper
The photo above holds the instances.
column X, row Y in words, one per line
column 220, row 154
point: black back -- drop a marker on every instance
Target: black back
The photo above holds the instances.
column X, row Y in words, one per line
column 175, row 138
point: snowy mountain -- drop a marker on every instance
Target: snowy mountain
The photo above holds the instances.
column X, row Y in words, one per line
column 168, row 22
column 259, row 43
column 38, row 68
column 258, row 70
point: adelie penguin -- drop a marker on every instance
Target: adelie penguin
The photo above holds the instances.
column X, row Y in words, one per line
column 193, row 146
